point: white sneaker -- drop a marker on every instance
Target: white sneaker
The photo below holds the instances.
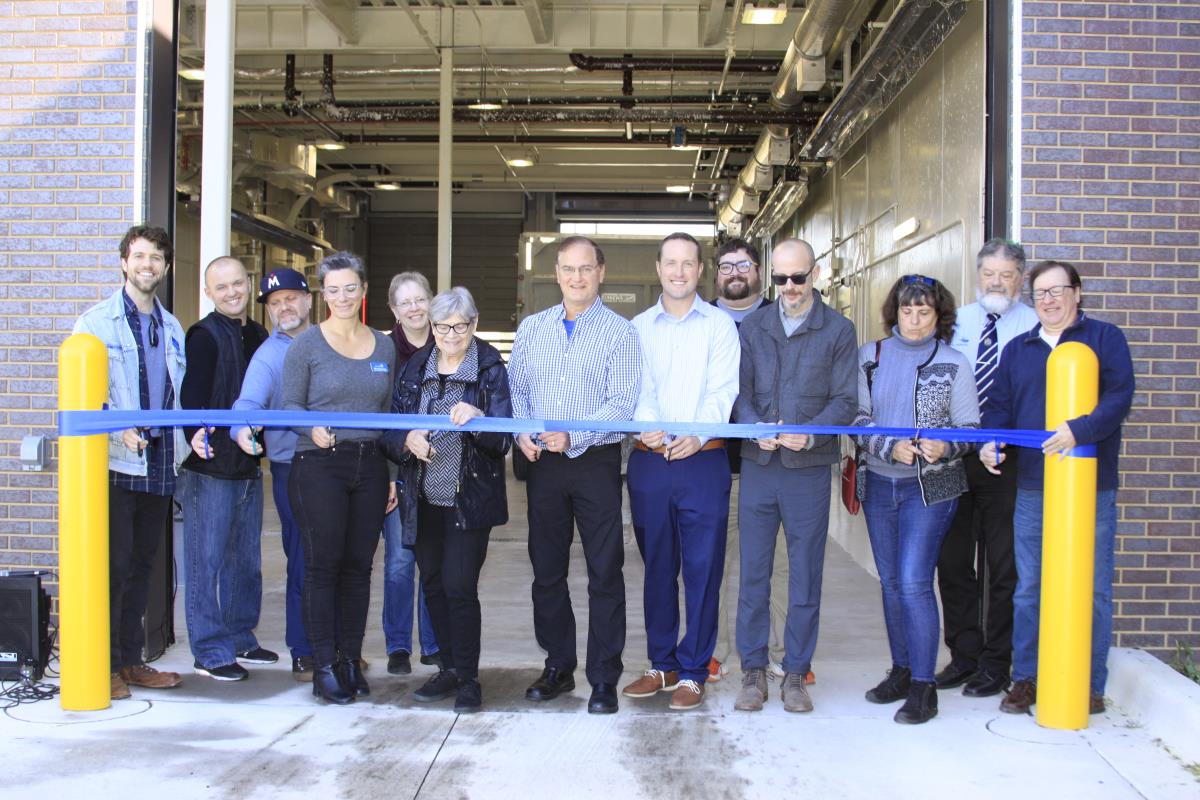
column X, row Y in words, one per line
column 775, row 669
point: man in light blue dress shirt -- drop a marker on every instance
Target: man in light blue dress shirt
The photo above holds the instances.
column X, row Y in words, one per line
column 981, row 649
column 679, row 484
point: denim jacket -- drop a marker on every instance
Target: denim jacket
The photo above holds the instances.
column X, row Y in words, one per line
column 106, row 321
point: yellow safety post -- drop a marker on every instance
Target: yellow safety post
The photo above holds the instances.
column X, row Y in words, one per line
column 83, row 531
column 1068, row 546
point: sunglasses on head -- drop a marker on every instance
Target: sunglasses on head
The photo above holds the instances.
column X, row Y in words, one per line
column 798, row 279
column 909, row 279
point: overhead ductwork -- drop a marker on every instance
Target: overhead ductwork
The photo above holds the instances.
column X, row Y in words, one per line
column 802, row 70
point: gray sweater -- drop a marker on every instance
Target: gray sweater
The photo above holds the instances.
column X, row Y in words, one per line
column 915, row 387
column 318, row 378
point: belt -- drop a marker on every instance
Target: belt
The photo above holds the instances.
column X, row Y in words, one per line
column 711, row 444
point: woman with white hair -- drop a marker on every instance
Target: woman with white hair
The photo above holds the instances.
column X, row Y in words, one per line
column 452, row 489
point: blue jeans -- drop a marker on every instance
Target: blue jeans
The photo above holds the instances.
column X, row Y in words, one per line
column 222, row 530
column 1027, row 540
column 906, row 537
column 399, row 573
column 293, row 548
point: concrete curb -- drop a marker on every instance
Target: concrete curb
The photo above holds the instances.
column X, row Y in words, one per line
column 1163, row 701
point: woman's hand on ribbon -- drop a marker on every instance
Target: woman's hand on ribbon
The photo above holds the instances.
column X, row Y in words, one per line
column 462, row 413
column 931, row 450
column 418, row 444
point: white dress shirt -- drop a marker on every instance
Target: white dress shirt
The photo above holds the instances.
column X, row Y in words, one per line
column 689, row 365
column 968, row 328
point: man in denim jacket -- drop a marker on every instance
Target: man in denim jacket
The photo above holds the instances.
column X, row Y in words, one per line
column 145, row 371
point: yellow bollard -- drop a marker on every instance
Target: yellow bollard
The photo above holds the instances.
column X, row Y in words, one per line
column 83, row 531
column 1068, row 546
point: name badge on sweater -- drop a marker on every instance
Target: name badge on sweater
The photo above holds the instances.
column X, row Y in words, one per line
column 379, row 366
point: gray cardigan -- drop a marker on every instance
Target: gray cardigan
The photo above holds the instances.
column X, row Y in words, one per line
column 925, row 388
column 806, row 378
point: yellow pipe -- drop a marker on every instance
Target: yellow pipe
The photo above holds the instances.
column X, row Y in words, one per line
column 83, row 531
column 1068, row 546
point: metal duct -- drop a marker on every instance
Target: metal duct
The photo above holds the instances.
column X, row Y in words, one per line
column 917, row 28
column 259, row 101
column 802, row 70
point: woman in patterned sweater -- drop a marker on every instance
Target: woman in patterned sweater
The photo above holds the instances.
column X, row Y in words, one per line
column 452, row 489
column 912, row 379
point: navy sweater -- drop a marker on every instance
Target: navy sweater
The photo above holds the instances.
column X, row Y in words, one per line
column 1017, row 399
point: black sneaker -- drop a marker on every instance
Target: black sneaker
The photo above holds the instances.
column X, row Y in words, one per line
column 433, row 659
column 469, row 699
column 892, row 688
column 258, row 655
column 399, row 663
column 439, row 687
column 225, row 672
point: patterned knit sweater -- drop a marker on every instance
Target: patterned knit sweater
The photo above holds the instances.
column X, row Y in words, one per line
column 917, row 383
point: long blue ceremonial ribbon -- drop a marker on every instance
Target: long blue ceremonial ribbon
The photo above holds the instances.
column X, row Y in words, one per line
column 83, row 423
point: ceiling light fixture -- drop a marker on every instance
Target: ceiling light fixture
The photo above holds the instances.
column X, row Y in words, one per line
column 764, row 15
column 521, row 160
column 330, row 144
column 482, row 103
column 679, row 188
column 192, row 74
column 388, row 187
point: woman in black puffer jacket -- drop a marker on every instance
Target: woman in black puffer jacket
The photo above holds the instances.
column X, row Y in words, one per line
column 452, row 489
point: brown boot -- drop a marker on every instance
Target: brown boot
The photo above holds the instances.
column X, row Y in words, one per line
column 1020, row 697
column 148, row 677
column 120, row 689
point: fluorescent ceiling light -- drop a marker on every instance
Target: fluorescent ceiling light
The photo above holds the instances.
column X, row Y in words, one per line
column 485, row 105
column 521, row 160
column 768, row 15
column 547, row 239
column 679, row 188
column 388, row 187
column 331, row 145
column 906, row 229
column 192, row 74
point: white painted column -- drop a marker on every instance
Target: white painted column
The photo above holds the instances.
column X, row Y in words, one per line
column 445, row 205
column 216, row 166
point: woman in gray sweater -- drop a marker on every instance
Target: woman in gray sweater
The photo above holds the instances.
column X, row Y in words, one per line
column 339, row 487
column 910, row 488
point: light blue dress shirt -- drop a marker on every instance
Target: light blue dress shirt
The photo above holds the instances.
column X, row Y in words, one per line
column 968, row 327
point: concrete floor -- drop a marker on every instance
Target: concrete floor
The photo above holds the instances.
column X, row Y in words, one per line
column 266, row 737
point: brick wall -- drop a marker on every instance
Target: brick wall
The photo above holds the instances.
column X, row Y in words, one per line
column 1111, row 182
column 67, row 91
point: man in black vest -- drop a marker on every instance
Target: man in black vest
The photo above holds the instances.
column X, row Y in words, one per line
column 221, row 487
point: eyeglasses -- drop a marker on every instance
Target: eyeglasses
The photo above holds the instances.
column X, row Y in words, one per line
column 797, row 279
column 911, row 279
column 407, row 304
column 727, row 267
column 348, row 291
column 1050, row 291
column 458, row 327
column 583, row 269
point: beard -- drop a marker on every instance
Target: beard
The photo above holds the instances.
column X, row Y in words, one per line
column 736, row 289
column 289, row 323
column 994, row 302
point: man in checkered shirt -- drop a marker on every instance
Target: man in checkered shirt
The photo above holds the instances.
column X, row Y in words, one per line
column 577, row 360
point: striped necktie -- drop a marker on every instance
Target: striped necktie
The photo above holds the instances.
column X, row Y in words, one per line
column 985, row 364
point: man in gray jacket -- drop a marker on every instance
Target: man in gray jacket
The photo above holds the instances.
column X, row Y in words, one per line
column 798, row 367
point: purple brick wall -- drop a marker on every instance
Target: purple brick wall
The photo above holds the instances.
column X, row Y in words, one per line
column 1111, row 182
column 67, row 91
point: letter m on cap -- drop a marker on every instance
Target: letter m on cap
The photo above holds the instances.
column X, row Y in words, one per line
column 273, row 281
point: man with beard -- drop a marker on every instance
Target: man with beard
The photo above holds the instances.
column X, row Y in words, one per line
column 145, row 372
column 286, row 296
column 220, row 487
column 739, row 292
column 981, row 650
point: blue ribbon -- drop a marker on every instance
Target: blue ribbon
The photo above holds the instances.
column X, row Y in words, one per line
column 85, row 423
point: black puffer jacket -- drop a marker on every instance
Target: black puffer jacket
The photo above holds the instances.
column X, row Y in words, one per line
column 482, row 500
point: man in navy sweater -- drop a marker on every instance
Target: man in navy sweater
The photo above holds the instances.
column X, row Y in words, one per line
column 1018, row 400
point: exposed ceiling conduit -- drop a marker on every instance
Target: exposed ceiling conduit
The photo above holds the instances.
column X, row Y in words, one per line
column 260, row 101
column 668, row 64
column 802, row 70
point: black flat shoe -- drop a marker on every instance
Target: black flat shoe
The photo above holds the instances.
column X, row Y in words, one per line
column 443, row 684
column 986, row 684
column 352, row 677
column 469, row 698
column 327, row 687
column 399, row 663
column 954, row 674
column 550, row 685
column 603, row 699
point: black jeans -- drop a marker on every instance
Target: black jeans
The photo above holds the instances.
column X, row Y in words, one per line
column 137, row 524
column 565, row 492
column 984, row 518
column 338, row 496
column 450, row 559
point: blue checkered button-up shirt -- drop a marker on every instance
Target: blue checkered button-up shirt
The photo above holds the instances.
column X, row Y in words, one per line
column 595, row 374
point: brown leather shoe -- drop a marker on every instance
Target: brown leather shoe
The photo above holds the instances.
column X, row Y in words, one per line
column 1020, row 697
column 1095, row 703
column 148, row 677
column 688, row 696
column 120, row 689
column 651, row 683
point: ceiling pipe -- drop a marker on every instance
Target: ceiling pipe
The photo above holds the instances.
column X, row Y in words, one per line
column 668, row 64
column 802, row 70
column 292, row 105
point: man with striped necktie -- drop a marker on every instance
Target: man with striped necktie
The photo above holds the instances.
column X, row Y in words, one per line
column 981, row 645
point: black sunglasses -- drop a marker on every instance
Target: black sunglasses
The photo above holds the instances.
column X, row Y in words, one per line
column 930, row 282
column 799, row 278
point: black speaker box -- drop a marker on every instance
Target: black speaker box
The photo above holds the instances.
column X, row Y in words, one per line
column 24, row 626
